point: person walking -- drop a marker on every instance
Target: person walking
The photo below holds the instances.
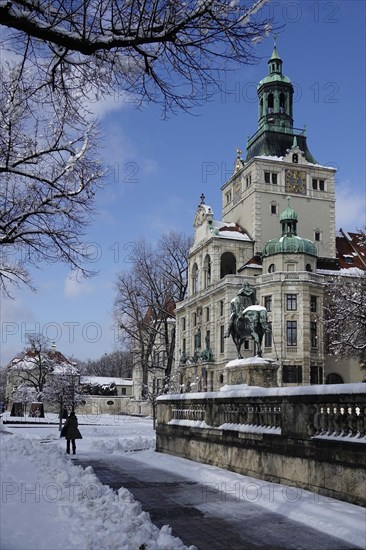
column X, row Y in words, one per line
column 71, row 432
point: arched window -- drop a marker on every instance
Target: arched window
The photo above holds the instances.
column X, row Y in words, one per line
column 295, row 158
column 334, row 378
column 282, row 103
column 227, row 264
column 272, row 268
column 270, row 103
column 308, row 267
column 207, row 271
column 261, row 107
column 194, row 278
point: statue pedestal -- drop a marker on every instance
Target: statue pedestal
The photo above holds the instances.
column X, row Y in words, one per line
column 254, row 371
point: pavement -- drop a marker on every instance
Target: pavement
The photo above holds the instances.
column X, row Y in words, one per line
column 199, row 518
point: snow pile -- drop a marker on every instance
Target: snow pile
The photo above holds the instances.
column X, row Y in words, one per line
column 124, row 444
column 47, row 502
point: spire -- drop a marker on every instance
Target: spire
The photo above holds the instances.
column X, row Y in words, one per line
column 275, row 62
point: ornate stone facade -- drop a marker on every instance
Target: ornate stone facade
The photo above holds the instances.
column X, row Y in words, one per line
column 247, row 246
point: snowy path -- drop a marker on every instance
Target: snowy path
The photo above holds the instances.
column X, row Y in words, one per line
column 203, row 513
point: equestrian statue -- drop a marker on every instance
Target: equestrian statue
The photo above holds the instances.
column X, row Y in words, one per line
column 247, row 319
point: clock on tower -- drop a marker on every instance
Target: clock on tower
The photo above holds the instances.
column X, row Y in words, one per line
column 295, row 181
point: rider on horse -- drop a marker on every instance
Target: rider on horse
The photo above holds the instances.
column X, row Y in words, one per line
column 246, row 297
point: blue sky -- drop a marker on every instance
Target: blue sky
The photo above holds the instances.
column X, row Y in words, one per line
column 160, row 168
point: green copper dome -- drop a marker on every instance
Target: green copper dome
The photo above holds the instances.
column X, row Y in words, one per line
column 288, row 214
column 289, row 242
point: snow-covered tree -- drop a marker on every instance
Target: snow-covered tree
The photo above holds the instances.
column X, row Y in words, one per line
column 145, row 302
column 60, row 57
column 25, row 394
column 33, row 366
column 345, row 316
column 117, row 363
column 48, row 175
column 62, row 388
column 169, row 50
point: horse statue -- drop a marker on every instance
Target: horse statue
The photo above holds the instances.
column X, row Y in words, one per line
column 251, row 323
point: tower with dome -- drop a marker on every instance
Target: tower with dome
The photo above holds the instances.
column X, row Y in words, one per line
column 276, row 232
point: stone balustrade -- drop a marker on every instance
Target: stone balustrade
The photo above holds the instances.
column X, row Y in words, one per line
column 312, row 437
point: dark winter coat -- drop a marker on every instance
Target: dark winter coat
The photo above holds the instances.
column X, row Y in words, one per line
column 71, row 428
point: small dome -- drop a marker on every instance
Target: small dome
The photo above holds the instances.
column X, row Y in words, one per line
column 290, row 244
column 288, row 214
column 275, row 77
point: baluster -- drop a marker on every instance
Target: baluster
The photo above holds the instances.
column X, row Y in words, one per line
column 256, row 415
column 330, row 411
column 270, row 416
column 250, row 414
column 278, row 416
column 344, row 421
column 312, row 412
column 362, row 422
column 317, row 420
column 353, row 421
column 337, row 420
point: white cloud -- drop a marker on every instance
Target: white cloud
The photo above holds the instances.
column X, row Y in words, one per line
column 74, row 286
column 350, row 207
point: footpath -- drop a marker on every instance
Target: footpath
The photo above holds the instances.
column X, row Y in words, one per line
column 202, row 516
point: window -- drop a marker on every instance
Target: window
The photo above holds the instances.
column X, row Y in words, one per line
column 270, row 177
column 291, row 333
column 291, row 302
column 308, row 268
column 227, row 264
column 313, row 304
column 207, row 313
column 292, row 374
column 268, row 337
column 274, row 208
column 246, row 344
column 207, row 271
column 248, row 180
column 316, row 235
column 334, row 378
column 313, row 334
column 123, row 391
column 295, row 158
column 207, row 339
column 228, row 197
column 194, row 319
column 318, row 184
column 316, row 374
column 272, row 268
column 184, row 345
column 194, row 278
column 184, row 323
column 268, row 303
column 222, row 339
column 221, row 307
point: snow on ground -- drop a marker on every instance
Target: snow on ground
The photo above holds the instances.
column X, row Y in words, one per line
column 50, row 503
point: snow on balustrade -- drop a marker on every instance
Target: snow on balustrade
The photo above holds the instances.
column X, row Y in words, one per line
column 341, row 421
column 326, row 412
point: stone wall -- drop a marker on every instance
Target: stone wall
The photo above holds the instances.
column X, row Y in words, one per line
column 315, row 442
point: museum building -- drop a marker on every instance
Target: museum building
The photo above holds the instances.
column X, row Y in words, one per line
column 278, row 234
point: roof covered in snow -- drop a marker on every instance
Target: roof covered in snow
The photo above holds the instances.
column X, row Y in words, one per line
column 105, row 380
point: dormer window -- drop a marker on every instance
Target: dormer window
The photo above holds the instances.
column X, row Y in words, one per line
column 295, row 158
